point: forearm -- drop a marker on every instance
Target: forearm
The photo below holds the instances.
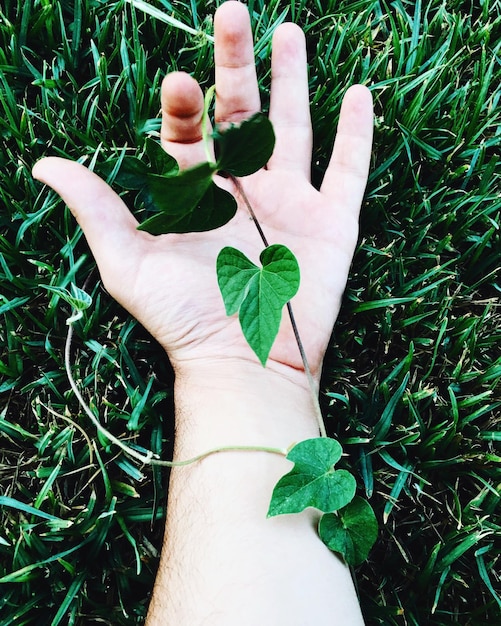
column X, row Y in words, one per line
column 223, row 561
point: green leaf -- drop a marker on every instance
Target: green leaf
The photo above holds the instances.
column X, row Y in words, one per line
column 190, row 201
column 215, row 208
column 181, row 193
column 234, row 271
column 131, row 172
column 313, row 481
column 351, row 531
column 245, row 148
column 259, row 294
column 78, row 299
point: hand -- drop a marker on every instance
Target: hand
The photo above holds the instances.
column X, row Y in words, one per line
column 169, row 282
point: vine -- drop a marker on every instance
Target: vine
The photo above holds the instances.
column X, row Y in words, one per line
column 190, row 201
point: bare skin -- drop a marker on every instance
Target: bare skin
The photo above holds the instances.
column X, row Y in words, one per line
column 223, row 562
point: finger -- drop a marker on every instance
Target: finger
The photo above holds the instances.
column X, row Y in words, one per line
column 289, row 104
column 108, row 225
column 182, row 114
column 346, row 176
column 237, row 92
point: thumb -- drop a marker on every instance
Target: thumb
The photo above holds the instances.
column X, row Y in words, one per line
column 108, row 225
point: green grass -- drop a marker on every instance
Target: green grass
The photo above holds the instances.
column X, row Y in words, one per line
column 412, row 378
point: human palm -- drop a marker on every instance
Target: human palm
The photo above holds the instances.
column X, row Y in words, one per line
column 169, row 282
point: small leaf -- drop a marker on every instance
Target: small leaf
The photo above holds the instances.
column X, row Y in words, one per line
column 318, row 454
column 243, row 149
column 313, row 482
column 351, row 532
column 259, row 294
column 78, row 299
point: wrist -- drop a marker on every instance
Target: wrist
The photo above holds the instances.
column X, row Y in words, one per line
column 228, row 402
column 224, row 372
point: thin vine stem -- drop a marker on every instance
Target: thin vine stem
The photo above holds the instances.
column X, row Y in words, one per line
column 302, row 352
column 149, row 458
column 205, row 122
column 307, row 371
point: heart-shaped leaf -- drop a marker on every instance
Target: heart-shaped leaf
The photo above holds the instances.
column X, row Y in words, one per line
column 245, row 148
column 259, row 294
column 313, row 481
column 351, row 531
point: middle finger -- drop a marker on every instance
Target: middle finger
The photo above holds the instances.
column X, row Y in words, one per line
column 237, row 91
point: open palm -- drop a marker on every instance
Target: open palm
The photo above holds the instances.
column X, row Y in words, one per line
column 169, row 282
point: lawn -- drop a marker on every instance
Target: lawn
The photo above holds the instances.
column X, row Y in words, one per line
column 412, row 379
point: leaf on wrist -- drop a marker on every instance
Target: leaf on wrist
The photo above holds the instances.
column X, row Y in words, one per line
column 351, row 531
column 313, row 481
column 258, row 294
